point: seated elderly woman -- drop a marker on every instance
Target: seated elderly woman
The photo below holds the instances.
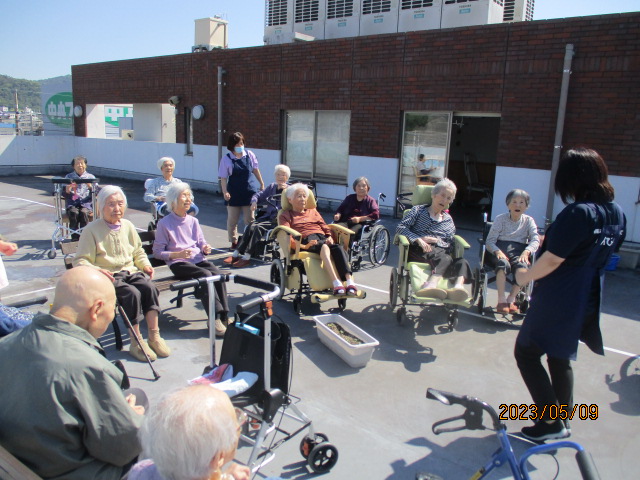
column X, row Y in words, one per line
column 267, row 220
column 192, row 434
column 156, row 189
column 316, row 238
column 430, row 230
column 358, row 207
column 112, row 245
column 78, row 196
column 180, row 243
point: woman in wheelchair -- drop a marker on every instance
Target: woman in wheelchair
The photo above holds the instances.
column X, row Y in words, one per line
column 512, row 239
column 358, row 207
column 78, row 196
column 180, row 243
column 430, row 230
column 247, row 246
column 316, row 238
column 156, row 189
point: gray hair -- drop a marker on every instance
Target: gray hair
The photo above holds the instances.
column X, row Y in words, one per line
column 105, row 192
column 282, row 168
column 186, row 430
column 361, row 179
column 174, row 191
column 291, row 191
column 517, row 192
column 165, row 159
column 445, row 183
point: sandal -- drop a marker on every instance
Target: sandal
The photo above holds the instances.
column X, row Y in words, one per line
column 339, row 290
column 352, row 290
column 502, row 308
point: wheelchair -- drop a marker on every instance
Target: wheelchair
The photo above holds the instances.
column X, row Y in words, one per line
column 408, row 277
column 485, row 274
column 373, row 242
column 159, row 210
column 300, row 271
column 62, row 230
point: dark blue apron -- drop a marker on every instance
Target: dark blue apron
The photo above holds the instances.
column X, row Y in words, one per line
column 565, row 305
column 239, row 182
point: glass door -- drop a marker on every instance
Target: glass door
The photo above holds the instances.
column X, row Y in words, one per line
column 425, row 149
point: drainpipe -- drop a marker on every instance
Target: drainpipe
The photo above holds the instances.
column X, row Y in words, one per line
column 562, row 107
column 221, row 72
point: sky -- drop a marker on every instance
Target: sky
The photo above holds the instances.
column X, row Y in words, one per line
column 43, row 38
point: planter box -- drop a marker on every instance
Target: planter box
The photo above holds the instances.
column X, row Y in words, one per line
column 355, row 355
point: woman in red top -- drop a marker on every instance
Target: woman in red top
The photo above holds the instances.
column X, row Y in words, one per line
column 316, row 238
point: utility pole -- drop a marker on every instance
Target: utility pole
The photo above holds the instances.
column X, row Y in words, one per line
column 17, row 114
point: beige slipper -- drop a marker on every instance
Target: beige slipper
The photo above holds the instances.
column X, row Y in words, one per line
column 457, row 294
column 432, row 292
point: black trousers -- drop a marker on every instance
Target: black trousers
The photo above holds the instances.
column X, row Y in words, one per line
column 252, row 235
column 441, row 262
column 338, row 255
column 78, row 216
column 553, row 388
column 188, row 271
column 136, row 294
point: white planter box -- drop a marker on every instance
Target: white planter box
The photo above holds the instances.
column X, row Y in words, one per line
column 355, row 355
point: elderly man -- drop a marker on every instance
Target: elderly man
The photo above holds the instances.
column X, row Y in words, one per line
column 62, row 411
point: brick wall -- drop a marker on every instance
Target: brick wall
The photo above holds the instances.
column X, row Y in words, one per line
column 513, row 69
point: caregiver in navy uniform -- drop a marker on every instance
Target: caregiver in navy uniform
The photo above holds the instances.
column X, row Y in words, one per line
column 565, row 304
column 235, row 172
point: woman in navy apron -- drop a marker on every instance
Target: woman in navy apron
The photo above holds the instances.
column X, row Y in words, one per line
column 235, row 172
column 565, row 304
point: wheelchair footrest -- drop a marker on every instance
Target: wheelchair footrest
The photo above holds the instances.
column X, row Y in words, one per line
column 325, row 297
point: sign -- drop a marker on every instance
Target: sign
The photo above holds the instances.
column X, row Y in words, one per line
column 59, row 109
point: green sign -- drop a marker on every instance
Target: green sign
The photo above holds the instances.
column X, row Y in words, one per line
column 59, row 109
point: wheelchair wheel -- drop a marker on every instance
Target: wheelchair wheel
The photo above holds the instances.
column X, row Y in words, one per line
column 481, row 304
column 297, row 305
column 276, row 275
column 307, row 443
column 393, row 288
column 52, row 253
column 379, row 245
column 323, row 457
column 452, row 320
column 401, row 315
column 342, row 304
column 477, row 284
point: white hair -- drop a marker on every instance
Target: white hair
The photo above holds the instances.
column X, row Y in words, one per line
column 291, row 191
column 105, row 192
column 442, row 184
column 174, row 191
column 282, row 168
column 186, row 430
column 165, row 159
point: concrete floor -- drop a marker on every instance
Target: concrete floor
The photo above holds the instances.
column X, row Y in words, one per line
column 376, row 416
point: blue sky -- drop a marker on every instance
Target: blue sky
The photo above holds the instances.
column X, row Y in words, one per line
column 43, row 38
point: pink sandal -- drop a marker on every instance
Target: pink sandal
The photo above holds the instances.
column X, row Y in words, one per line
column 352, row 290
column 339, row 290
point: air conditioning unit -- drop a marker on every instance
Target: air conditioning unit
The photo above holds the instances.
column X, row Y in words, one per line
column 378, row 16
column 278, row 21
column 473, row 12
column 210, row 33
column 342, row 18
column 308, row 17
column 419, row 15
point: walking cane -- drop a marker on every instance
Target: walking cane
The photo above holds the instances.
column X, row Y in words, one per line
column 127, row 323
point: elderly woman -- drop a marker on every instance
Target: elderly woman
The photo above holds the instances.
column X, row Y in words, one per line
column 78, row 196
column 316, row 238
column 358, row 207
column 235, row 170
column 253, row 232
column 180, row 243
column 156, row 189
column 112, row 245
column 430, row 230
column 192, row 434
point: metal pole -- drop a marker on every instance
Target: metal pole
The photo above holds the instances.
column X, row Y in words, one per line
column 221, row 72
column 562, row 107
column 17, row 114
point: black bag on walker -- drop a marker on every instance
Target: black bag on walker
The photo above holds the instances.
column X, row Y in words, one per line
column 244, row 350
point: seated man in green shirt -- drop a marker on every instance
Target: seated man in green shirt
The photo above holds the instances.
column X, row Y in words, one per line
column 62, row 410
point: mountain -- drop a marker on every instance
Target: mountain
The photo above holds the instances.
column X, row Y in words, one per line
column 28, row 92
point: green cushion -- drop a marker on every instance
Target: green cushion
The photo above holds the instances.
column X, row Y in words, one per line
column 421, row 195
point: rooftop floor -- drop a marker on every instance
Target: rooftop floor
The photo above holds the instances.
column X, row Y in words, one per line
column 376, row 416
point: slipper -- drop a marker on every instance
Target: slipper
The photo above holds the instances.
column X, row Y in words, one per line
column 352, row 290
column 339, row 290
column 432, row 292
column 231, row 259
column 502, row 308
column 513, row 308
column 457, row 294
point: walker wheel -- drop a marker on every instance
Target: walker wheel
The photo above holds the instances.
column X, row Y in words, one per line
column 52, row 253
column 323, row 457
column 307, row 443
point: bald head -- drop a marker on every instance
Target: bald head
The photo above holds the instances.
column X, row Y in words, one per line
column 86, row 298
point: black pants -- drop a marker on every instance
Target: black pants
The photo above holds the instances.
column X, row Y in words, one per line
column 441, row 262
column 189, row 271
column 338, row 255
column 252, row 235
column 136, row 294
column 553, row 388
column 78, row 216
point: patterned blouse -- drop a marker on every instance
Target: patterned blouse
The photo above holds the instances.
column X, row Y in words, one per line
column 418, row 223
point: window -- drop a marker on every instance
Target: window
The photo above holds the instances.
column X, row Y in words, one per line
column 317, row 144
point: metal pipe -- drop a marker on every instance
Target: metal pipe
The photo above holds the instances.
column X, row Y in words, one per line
column 557, row 147
column 221, row 72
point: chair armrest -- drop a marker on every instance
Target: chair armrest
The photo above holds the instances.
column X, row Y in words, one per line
column 341, row 235
column 458, row 240
column 338, row 229
column 281, row 228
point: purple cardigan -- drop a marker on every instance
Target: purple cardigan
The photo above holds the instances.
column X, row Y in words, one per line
column 176, row 233
column 350, row 207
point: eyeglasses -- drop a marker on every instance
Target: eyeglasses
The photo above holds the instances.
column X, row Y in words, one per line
column 241, row 417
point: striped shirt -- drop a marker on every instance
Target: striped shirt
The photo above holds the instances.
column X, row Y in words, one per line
column 503, row 228
column 418, row 223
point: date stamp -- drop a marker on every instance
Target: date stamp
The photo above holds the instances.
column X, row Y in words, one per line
column 525, row 411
